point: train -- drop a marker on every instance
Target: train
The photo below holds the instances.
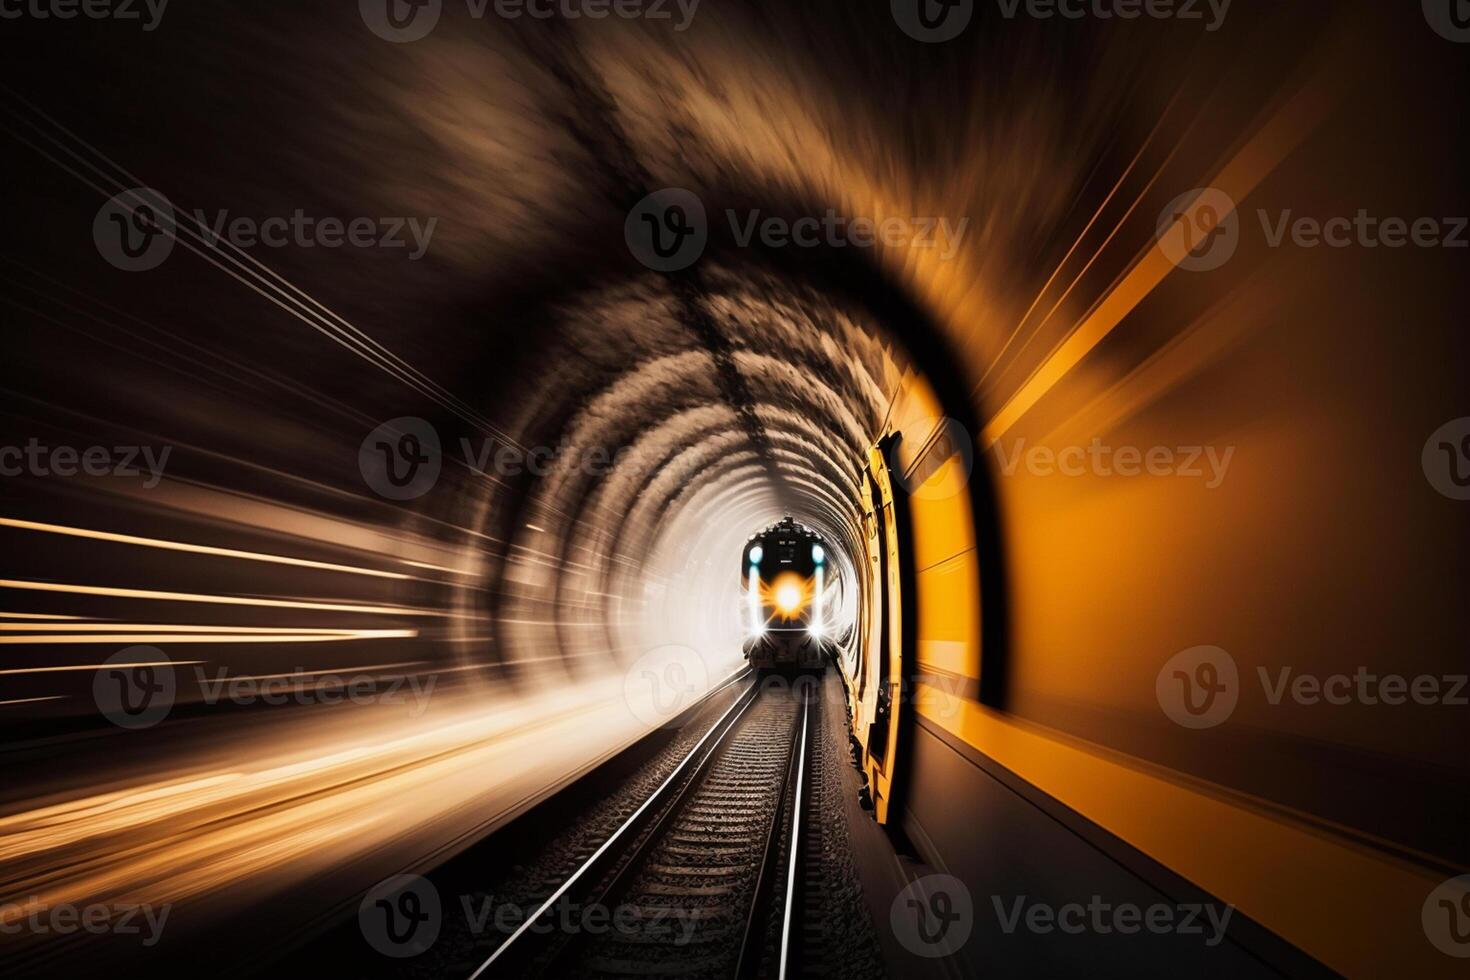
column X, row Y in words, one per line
column 788, row 590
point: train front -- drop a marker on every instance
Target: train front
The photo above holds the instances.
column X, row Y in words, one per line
column 786, row 588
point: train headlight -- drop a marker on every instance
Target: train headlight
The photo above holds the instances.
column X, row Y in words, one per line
column 818, row 555
column 756, row 554
column 788, row 597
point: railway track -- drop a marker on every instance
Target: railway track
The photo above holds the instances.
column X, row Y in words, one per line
column 705, row 879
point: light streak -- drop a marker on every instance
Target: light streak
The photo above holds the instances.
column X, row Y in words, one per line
column 175, row 628
column 295, row 637
column 197, row 549
column 817, row 624
column 102, row 590
column 318, row 673
column 757, row 624
column 119, row 666
column 1236, row 179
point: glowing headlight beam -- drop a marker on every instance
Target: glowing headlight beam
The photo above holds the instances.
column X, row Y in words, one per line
column 817, row 625
column 757, row 623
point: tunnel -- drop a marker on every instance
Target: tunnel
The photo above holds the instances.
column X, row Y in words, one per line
column 413, row 409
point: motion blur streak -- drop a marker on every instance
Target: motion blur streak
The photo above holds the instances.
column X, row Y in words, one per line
column 293, row 811
column 1238, row 178
column 369, row 675
column 194, row 548
column 214, row 599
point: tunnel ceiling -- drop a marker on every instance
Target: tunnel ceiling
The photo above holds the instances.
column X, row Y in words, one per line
column 739, row 388
column 726, row 394
column 742, row 387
